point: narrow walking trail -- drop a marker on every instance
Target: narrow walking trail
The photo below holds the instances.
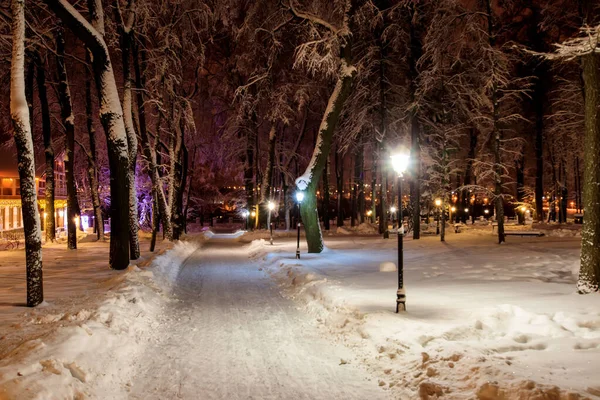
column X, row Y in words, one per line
column 232, row 335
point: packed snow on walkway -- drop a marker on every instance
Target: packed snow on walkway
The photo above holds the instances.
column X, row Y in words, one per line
column 483, row 320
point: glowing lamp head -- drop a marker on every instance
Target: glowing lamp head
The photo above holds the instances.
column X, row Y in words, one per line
column 253, row 213
column 438, row 202
column 299, row 196
column 400, row 161
column 45, row 215
column 369, row 213
column 271, row 206
column 393, row 209
column 245, row 213
column 486, row 211
column 466, row 210
column 523, row 208
column 453, row 209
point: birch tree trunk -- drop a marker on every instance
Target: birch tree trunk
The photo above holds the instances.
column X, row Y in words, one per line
column 309, row 181
column 19, row 113
column 50, row 222
column 326, row 196
column 68, row 120
column 111, row 117
column 265, row 193
column 589, row 272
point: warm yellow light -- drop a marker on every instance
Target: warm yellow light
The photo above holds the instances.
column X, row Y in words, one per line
column 393, row 209
column 486, row 211
column 369, row 213
column 453, row 209
column 438, row 202
column 466, row 210
column 253, row 213
column 45, row 215
column 523, row 208
column 271, row 206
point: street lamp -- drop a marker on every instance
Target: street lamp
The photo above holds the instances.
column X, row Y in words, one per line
column 392, row 211
column 438, row 203
column 299, row 198
column 400, row 163
column 452, row 212
column 253, row 215
column 245, row 214
column 271, row 207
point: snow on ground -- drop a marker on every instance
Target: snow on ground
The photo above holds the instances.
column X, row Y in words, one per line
column 86, row 349
column 484, row 320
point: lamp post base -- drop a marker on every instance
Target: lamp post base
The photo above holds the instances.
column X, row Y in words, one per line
column 297, row 254
column 401, row 300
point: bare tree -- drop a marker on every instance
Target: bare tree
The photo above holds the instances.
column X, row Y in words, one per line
column 111, row 116
column 19, row 113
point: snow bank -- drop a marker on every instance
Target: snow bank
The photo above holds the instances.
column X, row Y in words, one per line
column 89, row 355
column 483, row 321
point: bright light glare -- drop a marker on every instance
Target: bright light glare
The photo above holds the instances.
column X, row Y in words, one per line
column 253, row 213
column 438, row 202
column 369, row 213
column 466, row 210
column 393, row 209
column 523, row 208
column 299, row 196
column 271, row 206
column 486, row 211
column 400, row 161
column 453, row 209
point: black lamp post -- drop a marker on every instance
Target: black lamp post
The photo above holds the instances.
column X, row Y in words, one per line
column 246, row 214
column 271, row 207
column 299, row 198
column 400, row 163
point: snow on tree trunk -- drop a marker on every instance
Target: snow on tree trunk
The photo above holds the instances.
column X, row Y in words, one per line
column 50, row 222
column 265, row 193
column 326, row 196
column 111, row 117
column 19, row 113
column 125, row 38
column 339, row 176
column 68, row 121
column 175, row 171
column 589, row 272
column 309, row 181
column 92, row 169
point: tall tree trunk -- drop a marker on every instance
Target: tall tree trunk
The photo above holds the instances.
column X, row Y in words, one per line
column 309, row 181
column 589, row 272
column 353, row 193
column 19, row 113
column 496, row 133
column 265, row 192
column 374, row 186
column 339, row 180
column 538, row 98
column 361, row 185
column 155, row 221
column 326, row 196
column 111, row 117
column 149, row 150
column 416, row 50
column 520, row 170
column 578, row 200
column 469, row 174
column 383, row 219
column 92, row 169
column 68, row 120
column 176, row 171
column 50, row 222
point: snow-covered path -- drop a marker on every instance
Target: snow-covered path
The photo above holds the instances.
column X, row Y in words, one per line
column 232, row 335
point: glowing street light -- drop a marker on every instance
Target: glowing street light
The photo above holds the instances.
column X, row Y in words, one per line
column 271, row 206
column 400, row 162
column 245, row 214
column 299, row 198
column 467, row 210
